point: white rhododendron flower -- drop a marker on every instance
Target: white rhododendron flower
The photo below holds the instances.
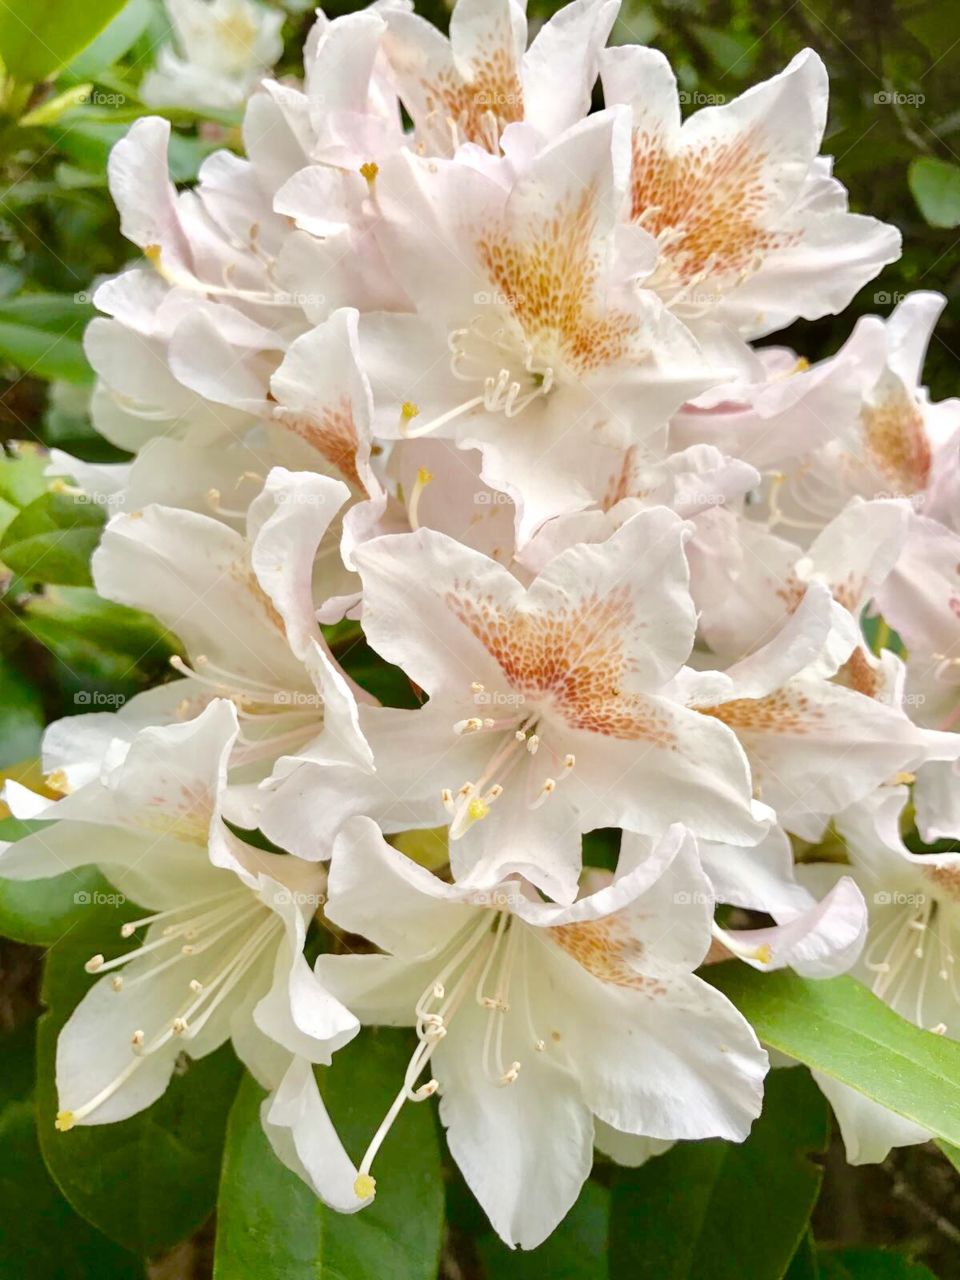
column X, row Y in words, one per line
column 221, row 950
column 222, row 48
column 533, row 1018
column 588, row 641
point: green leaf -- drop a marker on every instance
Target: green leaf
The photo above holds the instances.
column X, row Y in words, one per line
column 870, row 1264
column 936, row 188
column 113, row 41
column 723, row 1209
column 21, row 715
column 44, row 354
column 839, row 1027
column 41, row 912
column 88, row 141
column 271, row 1226
column 53, row 538
column 804, row 1264
column 66, row 313
column 150, row 1181
column 39, row 36
column 102, row 644
column 577, row 1250
column 951, row 1152
column 42, row 1237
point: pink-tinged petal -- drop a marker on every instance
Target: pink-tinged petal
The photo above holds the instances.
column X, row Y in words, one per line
column 816, row 747
column 324, row 399
column 466, row 89
column 194, row 573
column 667, row 760
column 144, row 194
column 660, row 1054
column 441, row 587
column 560, row 67
column 820, row 942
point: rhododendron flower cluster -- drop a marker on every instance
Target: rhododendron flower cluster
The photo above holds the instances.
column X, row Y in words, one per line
column 454, row 362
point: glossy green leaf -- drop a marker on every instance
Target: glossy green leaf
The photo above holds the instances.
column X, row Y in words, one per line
column 113, row 41
column 41, row 912
column 936, row 188
column 106, row 648
column 870, row 1264
column 150, row 1181
column 41, row 1237
column 21, row 715
column 53, row 539
column 803, row 1265
column 39, row 36
column 44, row 354
column 271, row 1226
column 722, row 1209
column 842, row 1029
column 577, row 1250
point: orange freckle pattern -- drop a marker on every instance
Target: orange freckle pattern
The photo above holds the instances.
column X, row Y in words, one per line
column 715, row 196
column 574, row 657
column 495, row 90
column 241, row 573
column 333, row 433
column 551, row 284
column 946, row 879
column 896, row 443
column 857, row 674
column 785, row 711
column 608, row 951
column 626, row 482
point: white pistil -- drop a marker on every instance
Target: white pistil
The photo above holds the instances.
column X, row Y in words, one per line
column 424, row 477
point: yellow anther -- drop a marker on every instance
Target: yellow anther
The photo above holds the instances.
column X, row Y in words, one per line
column 424, row 476
column 409, row 410
column 64, row 1122
column 764, row 953
column 369, row 170
column 477, row 808
column 57, row 781
column 364, row 1186
column 802, row 365
column 152, row 254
